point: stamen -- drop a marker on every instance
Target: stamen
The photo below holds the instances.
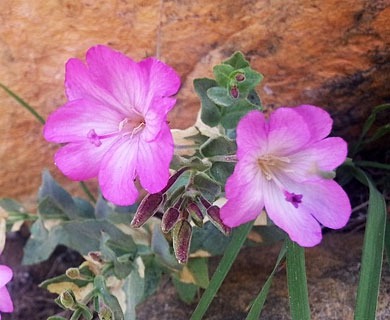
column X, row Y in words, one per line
column 295, row 199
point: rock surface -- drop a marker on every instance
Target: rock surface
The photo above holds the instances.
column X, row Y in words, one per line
column 330, row 53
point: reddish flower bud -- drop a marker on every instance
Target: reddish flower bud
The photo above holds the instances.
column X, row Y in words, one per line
column 234, row 92
column 147, row 208
column 196, row 213
column 214, row 215
column 181, row 236
column 169, row 219
column 173, row 179
column 240, row 77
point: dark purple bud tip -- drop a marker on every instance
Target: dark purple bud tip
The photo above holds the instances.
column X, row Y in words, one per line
column 215, row 217
column 196, row 213
column 147, row 208
column 181, row 236
column 169, row 219
column 240, row 77
column 234, row 92
column 173, row 178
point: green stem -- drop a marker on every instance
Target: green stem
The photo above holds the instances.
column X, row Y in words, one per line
column 232, row 250
column 373, row 164
column 87, row 191
column 23, row 103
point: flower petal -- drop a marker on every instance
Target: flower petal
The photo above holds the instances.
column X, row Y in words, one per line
column 288, row 132
column 153, row 161
column 74, row 120
column 156, row 117
column 81, row 160
column 251, row 134
column 118, row 172
column 163, row 80
column 5, row 275
column 299, row 225
column 317, row 159
column 245, row 195
column 119, row 75
column 319, row 120
column 326, row 201
column 6, row 304
column 80, row 85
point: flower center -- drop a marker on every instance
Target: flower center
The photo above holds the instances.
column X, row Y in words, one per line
column 128, row 126
column 269, row 164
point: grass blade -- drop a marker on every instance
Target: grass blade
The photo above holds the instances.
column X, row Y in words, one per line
column 372, row 257
column 232, row 250
column 258, row 303
column 296, row 281
column 23, row 103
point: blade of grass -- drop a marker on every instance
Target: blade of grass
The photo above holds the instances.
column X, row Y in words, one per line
column 372, row 257
column 232, row 250
column 296, row 281
column 23, row 103
column 41, row 120
column 258, row 303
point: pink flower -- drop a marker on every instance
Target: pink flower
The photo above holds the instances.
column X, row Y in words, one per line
column 6, row 304
column 115, row 123
column 281, row 166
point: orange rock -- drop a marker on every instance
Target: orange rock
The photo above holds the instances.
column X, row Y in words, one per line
column 330, row 53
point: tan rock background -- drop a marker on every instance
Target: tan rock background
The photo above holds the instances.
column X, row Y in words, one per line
column 331, row 53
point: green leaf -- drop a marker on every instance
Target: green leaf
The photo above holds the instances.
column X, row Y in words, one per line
column 237, row 240
column 199, row 269
column 220, row 171
column 153, row 273
column 387, row 241
column 222, row 74
column 218, row 146
column 237, row 61
column 209, row 188
column 258, row 303
column 62, row 199
column 233, row 115
column 49, row 208
column 41, row 243
column 220, row 96
column 373, row 246
column 161, row 249
column 296, row 281
column 134, row 287
column 110, row 300
column 85, row 209
column 252, row 79
column 186, row 291
column 210, row 113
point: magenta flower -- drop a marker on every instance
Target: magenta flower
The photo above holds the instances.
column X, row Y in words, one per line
column 281, row 166
column 115, row 123
column 6, row 304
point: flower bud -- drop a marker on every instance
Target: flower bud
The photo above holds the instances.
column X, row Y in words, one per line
column 181, row 236
column 169, row 219
column 147, row 208
column 214, row 215
column 73, row 273
column 173, row 178
column 234, row 92
column 196, row 213
column 240, row 77
column 68, row 300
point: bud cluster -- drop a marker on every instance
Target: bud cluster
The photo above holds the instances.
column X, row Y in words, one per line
column 181, row 207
